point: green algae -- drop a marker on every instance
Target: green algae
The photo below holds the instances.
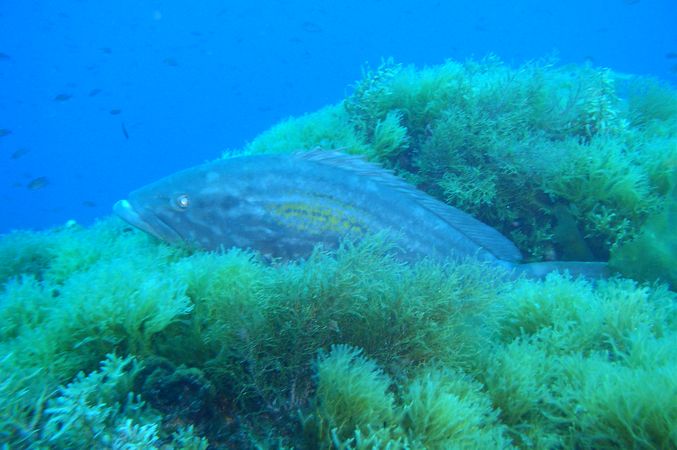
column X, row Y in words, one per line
column 651, row 254
column 226, row 348
column 112, row 339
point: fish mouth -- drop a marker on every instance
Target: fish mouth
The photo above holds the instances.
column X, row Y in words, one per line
column 149, row 223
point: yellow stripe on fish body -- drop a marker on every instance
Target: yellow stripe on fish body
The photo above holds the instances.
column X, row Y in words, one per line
column 316, row 219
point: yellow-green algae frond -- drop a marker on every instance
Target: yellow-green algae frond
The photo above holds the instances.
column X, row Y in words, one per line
column 111, row 339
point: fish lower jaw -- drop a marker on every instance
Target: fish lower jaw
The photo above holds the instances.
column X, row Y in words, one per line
column 126, row 211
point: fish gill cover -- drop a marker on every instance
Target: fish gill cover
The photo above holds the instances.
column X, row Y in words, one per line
column 111, row 338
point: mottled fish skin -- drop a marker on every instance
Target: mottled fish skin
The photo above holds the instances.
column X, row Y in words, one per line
column 284, row 205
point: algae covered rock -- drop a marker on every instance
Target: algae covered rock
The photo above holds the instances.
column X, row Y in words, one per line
column 180, row 393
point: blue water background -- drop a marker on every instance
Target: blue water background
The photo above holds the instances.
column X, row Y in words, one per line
column 102, row 97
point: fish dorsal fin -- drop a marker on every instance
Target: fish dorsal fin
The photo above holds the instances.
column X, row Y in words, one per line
column 478, row 232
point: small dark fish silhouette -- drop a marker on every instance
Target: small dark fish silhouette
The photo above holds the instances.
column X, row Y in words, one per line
column 115, row 111
column 62, row 97
column 89, row 204
column 106, row 50
column 94, row 92
column 170, row 62
column 5, row 132
column 124, row 131
column 37, row 183
column 4, row 56
column 23, row 151
column 311, row 27
column 671, row 55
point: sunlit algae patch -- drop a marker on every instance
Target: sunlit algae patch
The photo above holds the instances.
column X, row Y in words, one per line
column 113, row 339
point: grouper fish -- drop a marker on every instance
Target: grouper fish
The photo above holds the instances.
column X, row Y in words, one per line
column 284, row 205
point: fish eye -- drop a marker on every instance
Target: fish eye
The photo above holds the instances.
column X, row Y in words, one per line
column 182, row 201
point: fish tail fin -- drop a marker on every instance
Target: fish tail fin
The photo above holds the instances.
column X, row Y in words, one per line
column 588, row 269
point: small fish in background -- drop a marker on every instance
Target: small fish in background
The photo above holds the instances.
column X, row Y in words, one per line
column 4, row 56
column 19, row 153
column 38, row 183
column 311, row 27
column 115, row 111
column 171, row 62
column 95, row 91
column 124, row 131
column 106, row 50
column 589, row 60
column 5, row 132
column 89, row 204
column 671, row 55
column 62, row 97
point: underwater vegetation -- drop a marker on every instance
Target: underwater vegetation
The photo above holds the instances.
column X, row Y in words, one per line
column 112, row 339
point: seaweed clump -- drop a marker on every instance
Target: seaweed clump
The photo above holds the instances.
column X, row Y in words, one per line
column 651, row 254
